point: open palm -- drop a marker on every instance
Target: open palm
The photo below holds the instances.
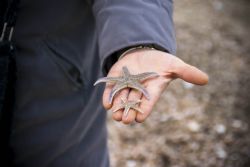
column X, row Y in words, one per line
column 168, row 67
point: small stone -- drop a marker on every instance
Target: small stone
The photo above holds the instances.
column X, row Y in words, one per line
column 187, row 85
column 220, row 129
column 195, row 146
column 221, row 153
column 131, row 163
column 228, row 139
column 218, row 5
column 194, row 126
column 237, row 124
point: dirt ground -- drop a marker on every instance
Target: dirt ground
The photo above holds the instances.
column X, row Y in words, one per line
column 194, row 126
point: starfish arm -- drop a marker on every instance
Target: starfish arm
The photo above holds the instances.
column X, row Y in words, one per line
column 108, row 79
column 123, row 100
column 139, row 87
column 116, row 88
column 135, row 103
column 145, row 76
column 137, row 109
column 121, row 107
column 126, row 110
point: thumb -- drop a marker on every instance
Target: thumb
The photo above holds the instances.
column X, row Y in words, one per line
column 190, row 73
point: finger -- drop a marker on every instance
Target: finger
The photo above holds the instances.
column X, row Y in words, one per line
column 105, row 97
column 117, row 102
column 147, row 105
column 134, row 95
column 190, row 73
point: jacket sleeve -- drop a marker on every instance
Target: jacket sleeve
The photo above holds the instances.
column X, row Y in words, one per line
column 124, row 23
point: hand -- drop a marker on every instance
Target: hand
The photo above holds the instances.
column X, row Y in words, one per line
column 169, row 67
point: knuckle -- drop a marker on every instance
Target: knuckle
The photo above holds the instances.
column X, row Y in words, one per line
column 128, row 120
column 117, row 117
column 140, row 119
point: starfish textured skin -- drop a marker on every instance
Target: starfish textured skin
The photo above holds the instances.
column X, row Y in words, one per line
column 127, row 80
column 127, row 105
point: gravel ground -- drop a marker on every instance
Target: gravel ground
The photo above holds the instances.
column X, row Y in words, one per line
column 195, row 126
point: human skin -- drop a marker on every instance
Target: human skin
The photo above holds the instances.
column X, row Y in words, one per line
column 169, row 67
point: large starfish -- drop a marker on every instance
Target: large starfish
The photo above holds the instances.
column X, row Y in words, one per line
column 127, row 105
column 128, row 80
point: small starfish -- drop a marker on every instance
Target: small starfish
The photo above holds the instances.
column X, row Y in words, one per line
column 127, row 105
column 127, row 80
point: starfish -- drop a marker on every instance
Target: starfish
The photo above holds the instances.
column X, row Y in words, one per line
column 127, row 105
column 127, row 80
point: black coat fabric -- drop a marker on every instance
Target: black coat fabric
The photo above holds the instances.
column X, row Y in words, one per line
column 62, row 47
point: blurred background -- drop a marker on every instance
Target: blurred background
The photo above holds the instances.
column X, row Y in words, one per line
column 194, row 126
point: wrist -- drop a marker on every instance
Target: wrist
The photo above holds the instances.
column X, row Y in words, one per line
column 139, row 48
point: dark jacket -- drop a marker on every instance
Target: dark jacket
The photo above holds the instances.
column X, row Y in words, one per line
column 62, row 45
